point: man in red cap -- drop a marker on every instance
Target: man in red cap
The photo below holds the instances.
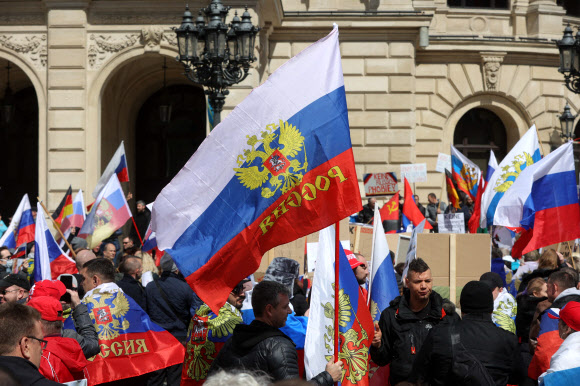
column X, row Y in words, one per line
column 62, row 359
column 359, row 266
column 84, row 331
column 568, row 355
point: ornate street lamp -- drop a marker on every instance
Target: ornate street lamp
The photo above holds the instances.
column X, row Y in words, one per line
column 570, row 59
column 567, row 123
column 165, row 105
column 213, row 55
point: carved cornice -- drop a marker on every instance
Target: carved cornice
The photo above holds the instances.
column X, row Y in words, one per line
column 103, row 46
column 31, row 46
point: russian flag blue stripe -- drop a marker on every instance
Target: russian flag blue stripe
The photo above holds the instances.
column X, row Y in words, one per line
column 244, row 204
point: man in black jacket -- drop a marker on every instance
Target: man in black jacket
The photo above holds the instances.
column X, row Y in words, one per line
column 405, row 324
column 21, row 343
column 132, row 269
column 495, row 348
column 262, row 346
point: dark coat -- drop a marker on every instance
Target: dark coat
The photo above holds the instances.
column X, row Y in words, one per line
column 25, row 372
column 180, row 294
column 366, row 214
column 404, row 333
column 259, row 346
column 134, row 289
column 526, row 309
column 495, row 348
column 142, row 220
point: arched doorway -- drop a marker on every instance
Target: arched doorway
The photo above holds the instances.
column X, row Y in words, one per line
column 477, row 132
column 129, row 112
column 19, row 138
column 163, row 148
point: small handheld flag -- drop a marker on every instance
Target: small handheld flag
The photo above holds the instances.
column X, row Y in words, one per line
column 118, row 166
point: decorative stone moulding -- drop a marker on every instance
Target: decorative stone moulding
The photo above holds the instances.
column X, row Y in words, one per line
column 491, row 64
column 104, row 46
column 29, row 46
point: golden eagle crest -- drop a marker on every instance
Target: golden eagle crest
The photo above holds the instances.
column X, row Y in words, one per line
column 107, row 312
column 352, row 351
column 511, row 172
column 275, row 161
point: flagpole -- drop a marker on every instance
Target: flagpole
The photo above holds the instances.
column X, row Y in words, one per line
column 55, row 225
column 571, row 257
column 137, row 229
column 336, row 288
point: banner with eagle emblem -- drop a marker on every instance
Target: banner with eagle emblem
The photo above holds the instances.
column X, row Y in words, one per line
column 206, row 335
column 131, row 344
column 279, row 167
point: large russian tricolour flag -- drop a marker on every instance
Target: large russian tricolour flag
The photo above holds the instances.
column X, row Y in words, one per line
column 49, row 260
column 9, row 237
column 543, row 201
column 279, row 167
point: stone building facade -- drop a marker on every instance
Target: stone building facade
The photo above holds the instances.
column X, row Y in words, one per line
column 420, row 75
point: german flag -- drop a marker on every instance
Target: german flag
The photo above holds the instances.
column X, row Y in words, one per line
column 65, row 208
column 451, row 191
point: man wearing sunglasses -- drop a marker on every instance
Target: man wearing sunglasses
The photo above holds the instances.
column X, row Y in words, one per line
column 14, row 288
column 21, row 343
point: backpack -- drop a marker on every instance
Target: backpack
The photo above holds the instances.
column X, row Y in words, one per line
column 466, row 368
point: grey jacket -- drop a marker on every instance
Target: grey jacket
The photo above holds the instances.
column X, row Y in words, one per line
column 85, row 333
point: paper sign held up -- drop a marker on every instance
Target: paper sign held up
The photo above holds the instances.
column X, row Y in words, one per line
column 443, row 163
column 451, row 223
column 414, row 172
column 380, row 184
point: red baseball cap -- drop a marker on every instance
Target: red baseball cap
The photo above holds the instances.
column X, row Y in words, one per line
column 570, row 314
column 52, row 288
column 353, row 261
column 49, row 307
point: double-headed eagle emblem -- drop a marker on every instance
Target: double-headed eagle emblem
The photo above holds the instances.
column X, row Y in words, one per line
column 108, row 313
column 273, row 159
column 511, row 171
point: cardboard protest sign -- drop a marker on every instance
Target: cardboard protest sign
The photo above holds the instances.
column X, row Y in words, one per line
column 380, row 184
column 451, row 223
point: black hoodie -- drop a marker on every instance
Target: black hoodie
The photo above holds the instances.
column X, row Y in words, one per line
column 25, row 371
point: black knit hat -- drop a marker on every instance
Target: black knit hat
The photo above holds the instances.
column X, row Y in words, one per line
column 476, row 298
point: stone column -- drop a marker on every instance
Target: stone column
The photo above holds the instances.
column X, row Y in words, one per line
column 66, row 98
column 544, row 19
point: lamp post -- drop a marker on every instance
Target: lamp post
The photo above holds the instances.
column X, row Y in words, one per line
column 569, row 48
column 213, row 55
column 567, row 123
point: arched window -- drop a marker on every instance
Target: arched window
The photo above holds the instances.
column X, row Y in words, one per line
column 479, row 131
column 495, row 4
column 572, row 7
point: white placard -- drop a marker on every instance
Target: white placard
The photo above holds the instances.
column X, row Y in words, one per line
column 451, row 223
column 414, row 172
column 312, row 252
column 443, row 163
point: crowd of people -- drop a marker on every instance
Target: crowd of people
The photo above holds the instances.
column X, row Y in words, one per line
column 515, row 326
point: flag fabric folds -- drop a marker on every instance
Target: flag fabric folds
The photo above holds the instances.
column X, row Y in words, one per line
column 279, row 167
column 410, row 209
column 49, row 260
column 451, row 192
column 543, row 201
column 109, row 213
column 356, row 325
column 76, row 218
column 465, row 173
column 473, row 223
column 9, row 237
column 131, row 344
column 65, row 207
column 118, row 166
column 491, row 165
column 562, row 377
column 412, row 250
column 525, row 153
column 390, row 214
column 383, row 282
column 548, row 343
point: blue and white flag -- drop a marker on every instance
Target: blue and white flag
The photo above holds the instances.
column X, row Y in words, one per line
column 491, row 166
column 525, row 153
column 383, row 283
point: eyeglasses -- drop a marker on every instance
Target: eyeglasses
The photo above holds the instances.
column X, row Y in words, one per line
column 42, row 342
column 3, row 292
